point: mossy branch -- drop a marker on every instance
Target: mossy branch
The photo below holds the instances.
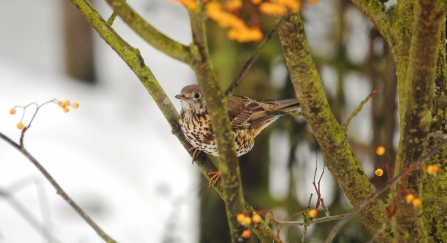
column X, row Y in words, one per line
column 150, row 34
column 382, row 190
column 416, row 106
column 333, row 141
column 202, row 66
column 358, row 109
column 379, row 16
column 217, row 109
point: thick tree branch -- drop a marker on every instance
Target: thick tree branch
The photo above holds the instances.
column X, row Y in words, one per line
column 419, row 89
column 201, row 65
column 377, row 193
column 133, row 59
column 434, row 203
column 374, row 10
column 149, row 33
column 217, row 109
column 338, row 154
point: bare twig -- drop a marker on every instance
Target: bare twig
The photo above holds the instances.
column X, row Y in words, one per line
column 365, row 202
column 359, row 108
column 59, row 189
column 320, row 199
column 252, row 59
column 314, row 221
column 32, row 118
column 307, row 219
column 28, row 216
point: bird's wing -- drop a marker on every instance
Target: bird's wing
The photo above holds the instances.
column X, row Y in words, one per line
column 245, row 112
column 248, row 113
column 239, row 111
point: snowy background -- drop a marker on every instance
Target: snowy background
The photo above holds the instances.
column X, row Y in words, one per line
column 115, row 155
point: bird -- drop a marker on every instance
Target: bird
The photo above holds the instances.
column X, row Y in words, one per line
column 248, row 118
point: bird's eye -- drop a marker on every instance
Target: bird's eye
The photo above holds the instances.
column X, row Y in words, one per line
column 197, row 95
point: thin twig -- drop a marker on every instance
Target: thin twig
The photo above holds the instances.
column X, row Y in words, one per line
column 359, row 108
column 28, row 216
column 252, row 59
column 111, row 18
column 365, row 202
column 59, row 189
column 314, row 221
column 306, row 219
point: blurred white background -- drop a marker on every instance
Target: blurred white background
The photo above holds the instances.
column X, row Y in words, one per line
column 115, row 155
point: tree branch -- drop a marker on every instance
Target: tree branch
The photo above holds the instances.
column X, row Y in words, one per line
column 150, row 34
column 217, row 109
column 377, row 193
column 338, row 153
column 253, row 58
column 133, row 59
column 28, row 216
column 59, row 189
column 416, row 117
column 379, row 16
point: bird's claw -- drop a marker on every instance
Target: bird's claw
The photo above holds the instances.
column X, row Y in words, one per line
column 195, row 154
column 215, row 178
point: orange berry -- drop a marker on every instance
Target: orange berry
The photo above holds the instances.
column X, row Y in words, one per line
column 292, row 5
column 75, row 105
column 256, row 34
column 246, row 234
column 256, row 218
column 380, row 150
column 240, row 218
column 61, row 104
column 189, row 4
column 66, row 109
column 67, row 102
column 233, row 5
column 416, row 202
column 432, row 169
column 272, row 9
column 409, row 198
column 256, row 2
column 20, row 125
column 313, row 213
column 12, row 111
column 247, row 221
column 213, row 8
column 379, row 172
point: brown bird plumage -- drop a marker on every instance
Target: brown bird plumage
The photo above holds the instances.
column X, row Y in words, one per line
column 248, row 118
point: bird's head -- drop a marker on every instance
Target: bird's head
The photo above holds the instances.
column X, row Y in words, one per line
column 192, row 99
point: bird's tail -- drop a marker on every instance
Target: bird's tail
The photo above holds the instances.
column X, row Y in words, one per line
column 286, row 105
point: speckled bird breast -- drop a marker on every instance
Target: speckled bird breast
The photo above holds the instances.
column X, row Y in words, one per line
column 198, row 131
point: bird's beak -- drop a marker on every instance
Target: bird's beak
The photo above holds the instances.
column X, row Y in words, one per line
column 181, row 97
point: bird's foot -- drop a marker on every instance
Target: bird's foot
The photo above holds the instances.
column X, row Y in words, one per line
column 215, row 178
column 195, row 154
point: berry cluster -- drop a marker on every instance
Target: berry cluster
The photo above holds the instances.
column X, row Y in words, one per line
column 415, row 201
column 238, row 29
column 63, row 104
column 410, row 197
column 228, row 14
column 247, row 220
